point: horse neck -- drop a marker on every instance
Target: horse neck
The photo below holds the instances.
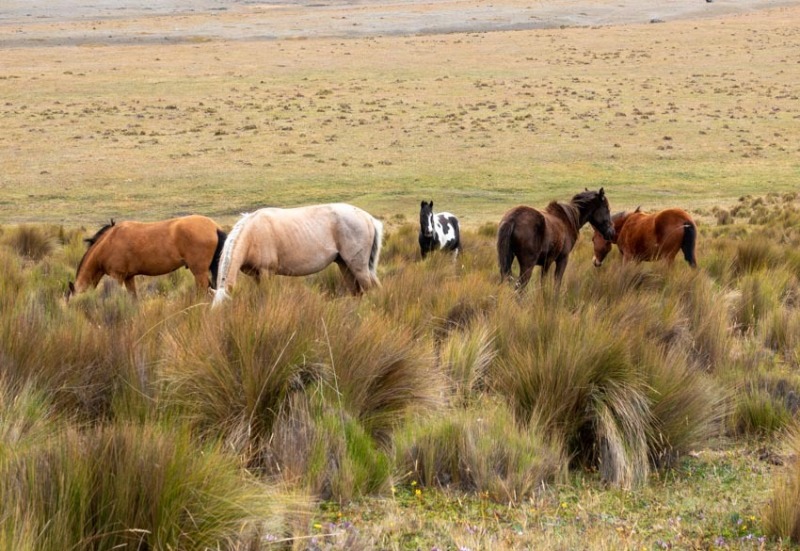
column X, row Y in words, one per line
column 619, row 222
column 569, row 214
column 90, row 269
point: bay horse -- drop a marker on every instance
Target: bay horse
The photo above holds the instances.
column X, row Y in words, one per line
column 437, row 230
column 302, row 241
column 541, row 237
column 127, row 249
column 643, row 236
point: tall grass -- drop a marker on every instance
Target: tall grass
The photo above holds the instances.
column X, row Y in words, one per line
column 443, row 376
column 136, row 487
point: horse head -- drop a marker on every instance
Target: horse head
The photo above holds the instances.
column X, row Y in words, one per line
column 426, row 219
column 601, row 245
column 593, row 208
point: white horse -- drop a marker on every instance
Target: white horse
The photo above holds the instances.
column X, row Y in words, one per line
column 302, row 241
column 437, row 230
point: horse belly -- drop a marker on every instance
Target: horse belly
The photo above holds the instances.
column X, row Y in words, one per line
column 303, row 261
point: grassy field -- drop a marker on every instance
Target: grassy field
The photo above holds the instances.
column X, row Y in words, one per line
column 693, row 113
column 642, row 408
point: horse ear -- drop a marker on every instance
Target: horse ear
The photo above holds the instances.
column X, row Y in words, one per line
column 431, row 204
column 112, row 222
column 421, row 204
column 601, row 192
column 638, row 209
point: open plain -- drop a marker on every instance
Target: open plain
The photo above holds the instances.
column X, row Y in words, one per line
column 152, row 115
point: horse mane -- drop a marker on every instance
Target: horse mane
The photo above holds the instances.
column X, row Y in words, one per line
column 92, row 240
column 568, row 213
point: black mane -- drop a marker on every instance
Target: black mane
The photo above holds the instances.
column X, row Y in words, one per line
column 92, row 240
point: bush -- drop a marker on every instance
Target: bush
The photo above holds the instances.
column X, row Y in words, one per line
column 128, row 486
column 479, row 449
column 31, row 242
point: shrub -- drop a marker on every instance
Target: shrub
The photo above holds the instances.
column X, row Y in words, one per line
column 478, row 449
column 573, row 378
column 782, row 513
column 128, row 486
column 31, row 242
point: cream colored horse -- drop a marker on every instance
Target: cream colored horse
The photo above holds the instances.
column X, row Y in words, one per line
column 302, row 241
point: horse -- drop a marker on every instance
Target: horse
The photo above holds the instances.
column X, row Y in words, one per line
column 642, row 236
column 437, row 230
column 302, row 241
column 127, row 249
column 539, row 238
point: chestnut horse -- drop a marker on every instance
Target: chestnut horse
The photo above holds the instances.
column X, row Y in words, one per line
column 128, row 249
column 642, row 236
column 539, row 238
column 302, row 241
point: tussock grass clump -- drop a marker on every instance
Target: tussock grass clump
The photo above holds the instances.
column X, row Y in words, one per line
column 466, row 358
column 782, row 513
column 379, row 372
column 574, row 378
column 478, row 449
column 766, row 402
column 231, row 371
column 31, row 242
column 80, row 366
column 128, row 486
column 755, row 253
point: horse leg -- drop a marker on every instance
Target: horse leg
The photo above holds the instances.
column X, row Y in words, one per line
column 561, row 266
column 201, row 279
column 349, row 278
column 130, row 285
column 525, row 272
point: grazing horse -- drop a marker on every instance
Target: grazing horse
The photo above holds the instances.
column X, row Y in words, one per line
column 641, row 236
column 302, row 241
column 128, row 249
column 539, row 238
column 437, row 230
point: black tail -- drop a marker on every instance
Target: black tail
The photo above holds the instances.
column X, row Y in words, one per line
column 221, row 237
column 689, row 242
column 505, row 256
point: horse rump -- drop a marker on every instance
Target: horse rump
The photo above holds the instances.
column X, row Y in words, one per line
column 505, row 254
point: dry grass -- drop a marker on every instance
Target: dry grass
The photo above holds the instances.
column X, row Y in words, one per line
column 693, row 113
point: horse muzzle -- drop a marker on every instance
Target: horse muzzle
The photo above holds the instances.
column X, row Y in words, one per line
column 597, row 262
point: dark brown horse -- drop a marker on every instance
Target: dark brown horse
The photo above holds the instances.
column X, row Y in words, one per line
column 128, row 249
column 539, row 238
column 643, row 236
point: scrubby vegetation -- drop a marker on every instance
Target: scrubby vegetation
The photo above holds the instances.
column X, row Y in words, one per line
column 299, row 417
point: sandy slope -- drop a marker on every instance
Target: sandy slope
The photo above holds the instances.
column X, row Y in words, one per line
column 60, row 22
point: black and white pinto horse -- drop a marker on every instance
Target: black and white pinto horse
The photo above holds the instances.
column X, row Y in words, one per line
column 437, row 230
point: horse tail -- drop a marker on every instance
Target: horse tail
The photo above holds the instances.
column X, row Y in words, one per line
column 505, row 256
column 221, row 236
column 375, row 253
column 689, row 243
column 226, row 264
